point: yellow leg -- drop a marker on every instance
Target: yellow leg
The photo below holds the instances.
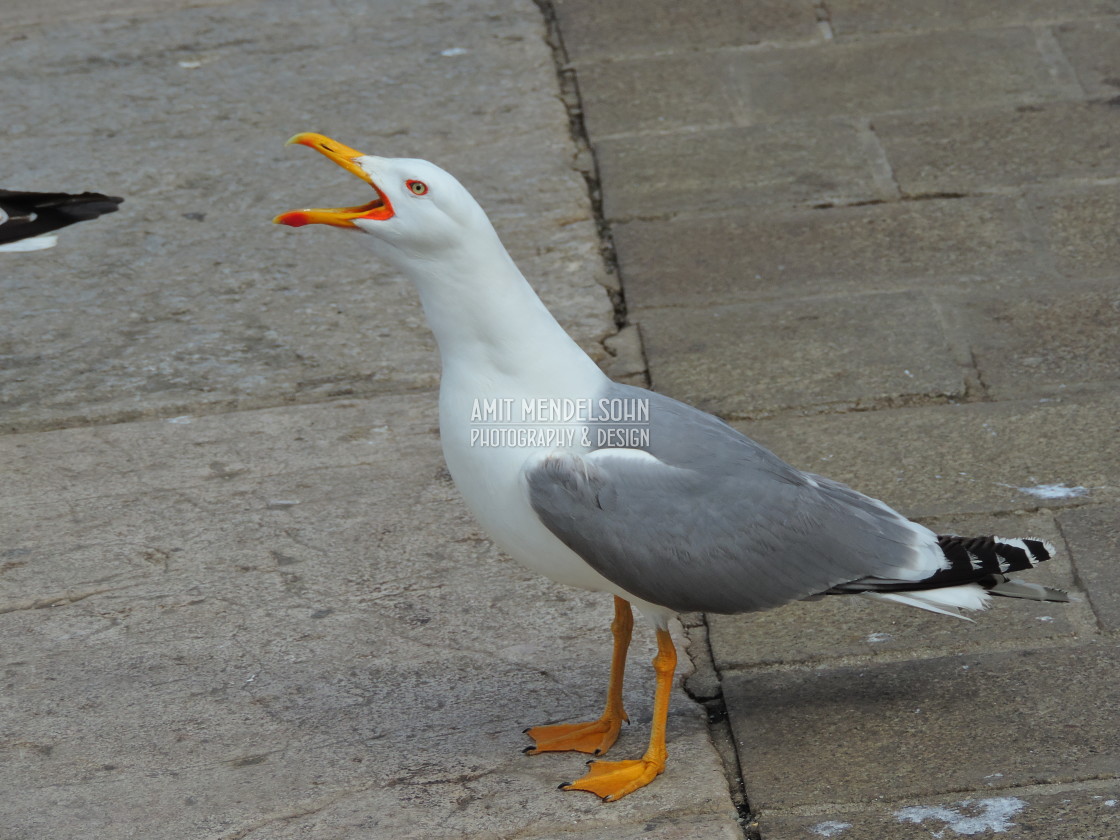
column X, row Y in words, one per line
column 597, row 736
column 614, row 779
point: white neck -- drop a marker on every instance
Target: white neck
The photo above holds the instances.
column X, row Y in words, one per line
column 490, row 325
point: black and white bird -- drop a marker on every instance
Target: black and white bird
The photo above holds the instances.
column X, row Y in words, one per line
column 28, row 220
column 663, row 506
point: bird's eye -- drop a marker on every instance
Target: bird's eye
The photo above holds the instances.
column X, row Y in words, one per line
column 417, row 187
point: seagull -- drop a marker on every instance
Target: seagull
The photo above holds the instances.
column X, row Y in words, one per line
column 616, row 489
column 28, row 219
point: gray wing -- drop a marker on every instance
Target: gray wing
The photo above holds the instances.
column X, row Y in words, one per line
column 703, row 518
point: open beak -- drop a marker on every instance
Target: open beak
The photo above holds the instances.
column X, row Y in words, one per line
column 378, row 209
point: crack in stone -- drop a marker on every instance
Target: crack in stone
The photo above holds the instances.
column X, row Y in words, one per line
column 304, row 810
column 62, row 600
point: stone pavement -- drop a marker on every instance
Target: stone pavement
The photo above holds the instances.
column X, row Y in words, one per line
column 881, row 237
column 239, row 597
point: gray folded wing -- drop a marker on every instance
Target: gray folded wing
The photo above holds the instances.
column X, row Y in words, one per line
column 702, row 518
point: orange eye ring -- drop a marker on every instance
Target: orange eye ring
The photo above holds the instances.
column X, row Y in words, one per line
column 417, row 187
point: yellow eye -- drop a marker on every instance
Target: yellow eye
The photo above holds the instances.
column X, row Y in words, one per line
column 417, row 187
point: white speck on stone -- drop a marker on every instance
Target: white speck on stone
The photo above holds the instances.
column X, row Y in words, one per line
column 1054, row 491
column 190, row 65
column 453, row 51
column 1111, row 803
column 181, row 420
column 875, row 638
column 994, row 815
column 1046, row 618
column 908, row 373
column 830, row 828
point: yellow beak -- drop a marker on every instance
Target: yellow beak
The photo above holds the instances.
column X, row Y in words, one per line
column 379, row 209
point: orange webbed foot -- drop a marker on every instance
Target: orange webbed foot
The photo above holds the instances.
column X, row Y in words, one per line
column 593, row 737
column 612, row 780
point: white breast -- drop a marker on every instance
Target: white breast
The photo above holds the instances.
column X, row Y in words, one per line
column 490, row 479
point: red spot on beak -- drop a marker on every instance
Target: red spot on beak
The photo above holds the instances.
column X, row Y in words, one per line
column 296, row 218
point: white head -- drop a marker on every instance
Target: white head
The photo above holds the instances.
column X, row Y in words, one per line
column 420, row 212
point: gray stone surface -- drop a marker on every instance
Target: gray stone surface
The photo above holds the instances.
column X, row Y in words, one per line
column 285, row 620
column 747, row 255
column 844, row 351
column 1091, row 49
column 604, row 31
column 1038, row 344
column 671, row 175
column 863, row 17
column 1083, row 812
column 989, row 67
column 932, row 725
column 1008, row 148
column 189, row 296
column 1081, row 225
column 970, row 458
column 1093, row 535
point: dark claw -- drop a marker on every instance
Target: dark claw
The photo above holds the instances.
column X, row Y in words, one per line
column 564, row 786
column 597, row 752
column 528, row 750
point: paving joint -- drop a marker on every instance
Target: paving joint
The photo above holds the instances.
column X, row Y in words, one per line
column 1053, row 54
column 584, row 159
column 709, row 696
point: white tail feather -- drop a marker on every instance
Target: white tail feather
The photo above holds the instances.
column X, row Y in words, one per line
column 945, row 601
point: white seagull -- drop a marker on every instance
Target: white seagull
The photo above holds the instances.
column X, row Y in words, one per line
column 620, row 490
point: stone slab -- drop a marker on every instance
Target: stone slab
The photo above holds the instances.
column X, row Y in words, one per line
column 1091, row 48
column 953, row 459
column 1038, row 339
column 849, row 628
column 760, row 253
column 1007, row 148
column 1081, row 229
column 847, row 351
column 926, row 728
column 932, row 71
column 671, row 175
column 50, row 11
column 595, row 31
column 189, row 296
column 864, row 17
column 220, row 628
column 345, row 818
column 1093, row 535
column 1071, row 812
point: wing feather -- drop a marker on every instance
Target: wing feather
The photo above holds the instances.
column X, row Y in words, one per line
column 706, row 519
